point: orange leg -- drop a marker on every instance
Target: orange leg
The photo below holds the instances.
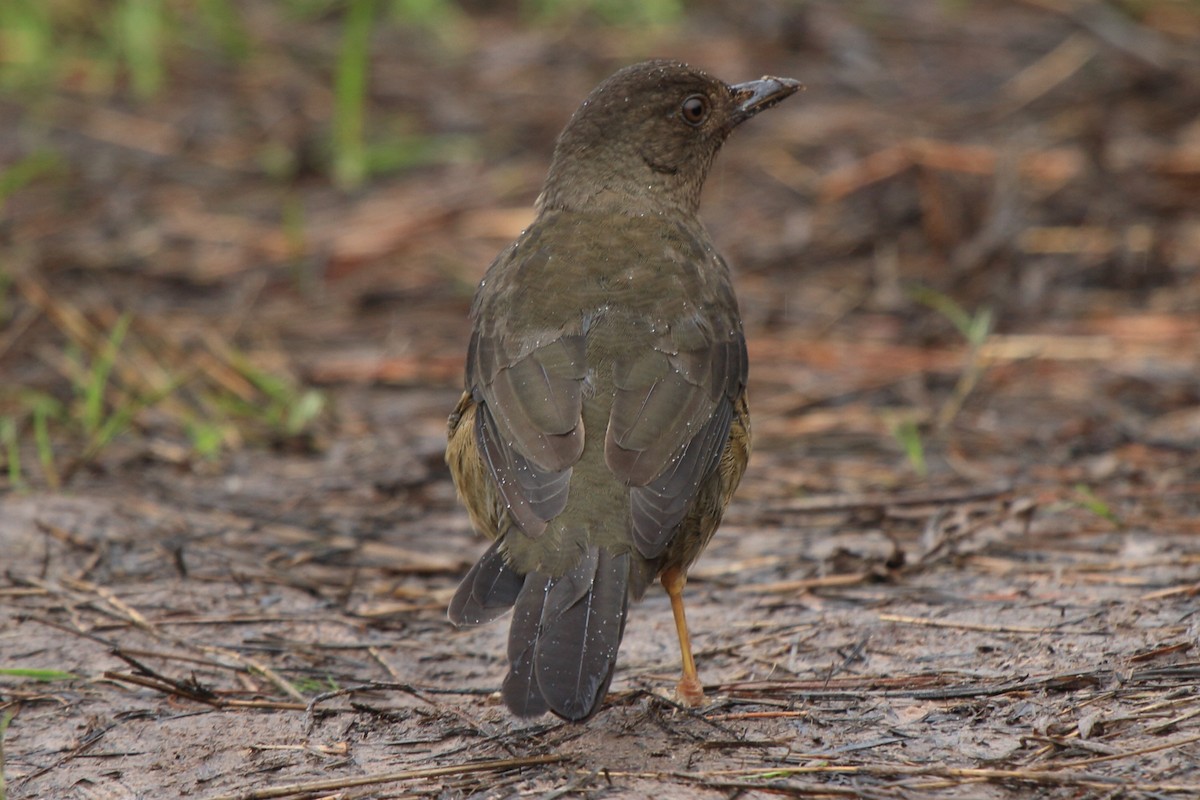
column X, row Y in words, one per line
column 690, row 690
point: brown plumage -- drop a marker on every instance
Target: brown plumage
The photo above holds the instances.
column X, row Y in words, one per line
column 604, row 425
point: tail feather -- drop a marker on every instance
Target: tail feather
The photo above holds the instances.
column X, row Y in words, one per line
column 520, row 691
column 488, row 590
column 565, row 633
column 576, row 650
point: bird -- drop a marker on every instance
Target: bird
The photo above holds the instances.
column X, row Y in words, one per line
column 604, row 427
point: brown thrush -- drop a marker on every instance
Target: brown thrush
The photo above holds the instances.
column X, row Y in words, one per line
column 604, row 425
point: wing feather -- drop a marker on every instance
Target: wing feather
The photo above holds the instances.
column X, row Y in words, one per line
column 670, row 422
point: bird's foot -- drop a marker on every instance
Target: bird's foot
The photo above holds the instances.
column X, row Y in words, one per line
column 689, row 692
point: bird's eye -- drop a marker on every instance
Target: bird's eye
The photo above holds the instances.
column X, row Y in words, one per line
column 694, row 110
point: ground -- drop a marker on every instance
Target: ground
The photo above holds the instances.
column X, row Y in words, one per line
column 964, row 561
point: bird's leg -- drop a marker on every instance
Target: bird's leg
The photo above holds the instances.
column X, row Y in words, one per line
column 690, row 690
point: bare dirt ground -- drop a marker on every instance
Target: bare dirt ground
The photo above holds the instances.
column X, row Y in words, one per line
column 964, row 562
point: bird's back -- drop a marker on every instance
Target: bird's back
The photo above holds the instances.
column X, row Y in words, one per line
column 648, row 304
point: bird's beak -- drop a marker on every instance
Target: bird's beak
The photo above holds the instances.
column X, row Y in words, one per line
column 755, row 96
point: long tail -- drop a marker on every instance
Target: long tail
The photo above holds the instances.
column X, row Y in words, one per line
column 565, row 631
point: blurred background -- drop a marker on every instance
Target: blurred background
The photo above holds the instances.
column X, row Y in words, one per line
column 235, row 231
column 238, row 245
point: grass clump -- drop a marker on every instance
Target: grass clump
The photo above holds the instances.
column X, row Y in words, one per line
column 118, row 374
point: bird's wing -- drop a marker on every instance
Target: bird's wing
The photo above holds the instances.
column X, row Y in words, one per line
column 670, row 421
column 528, row 423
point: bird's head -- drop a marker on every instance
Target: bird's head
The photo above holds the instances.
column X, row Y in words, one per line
column 644, row 139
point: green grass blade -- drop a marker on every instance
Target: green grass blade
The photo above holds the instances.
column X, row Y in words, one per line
column 1089, row 500
column 908, row 434
column 39, row 674
column 304, row 411
column 944, row 305
column 93, row 391
column 980, row 327
column 122, row 417
column 41, row 437
column 350, row 91
column 27, row 39
column 12, row 449
column 140, row 31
